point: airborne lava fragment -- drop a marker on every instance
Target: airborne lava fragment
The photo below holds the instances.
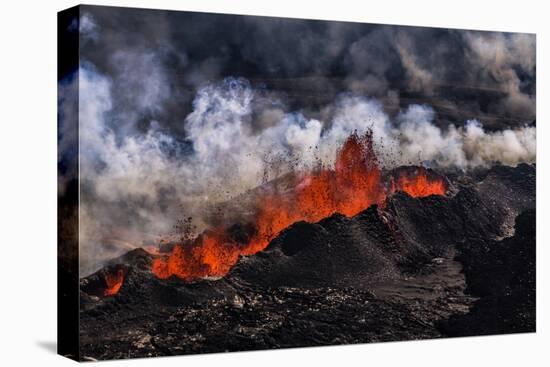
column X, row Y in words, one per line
column 355, row 183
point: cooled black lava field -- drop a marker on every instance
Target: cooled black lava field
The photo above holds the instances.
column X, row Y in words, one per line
column 414, row 268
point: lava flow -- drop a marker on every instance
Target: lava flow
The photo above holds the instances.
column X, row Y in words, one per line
column 355, row 183
column 113, row 281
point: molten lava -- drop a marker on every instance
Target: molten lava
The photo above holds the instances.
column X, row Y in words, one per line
column 113, row 281
column 417, row 183
column 353, row 185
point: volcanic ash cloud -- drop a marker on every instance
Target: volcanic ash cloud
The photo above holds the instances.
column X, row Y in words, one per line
column 145, row 178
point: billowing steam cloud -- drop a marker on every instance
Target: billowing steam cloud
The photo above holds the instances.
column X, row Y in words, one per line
column 462, row 74
column 163, row 132
column 141, row 182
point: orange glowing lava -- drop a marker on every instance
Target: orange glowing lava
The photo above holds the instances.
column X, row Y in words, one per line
column 418, row 184
column 353, row 185
column 113, row 282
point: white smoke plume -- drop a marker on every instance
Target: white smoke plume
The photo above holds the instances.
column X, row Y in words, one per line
column 140, row 182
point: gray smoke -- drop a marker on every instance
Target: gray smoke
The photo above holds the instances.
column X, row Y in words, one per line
column 164, row 132
column 462, row 74
column 141, row 182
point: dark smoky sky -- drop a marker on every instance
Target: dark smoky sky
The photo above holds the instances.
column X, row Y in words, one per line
column 158, row 59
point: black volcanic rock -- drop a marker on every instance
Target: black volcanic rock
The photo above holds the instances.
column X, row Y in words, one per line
column 437, row 223
column 503, row 275
column 335, row 252
column 377, row 244
column 264, row 318
column 374, row 245
column 141, row 287
column 388, row 273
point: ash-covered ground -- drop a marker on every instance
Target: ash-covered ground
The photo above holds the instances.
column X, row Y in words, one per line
column 415, row 268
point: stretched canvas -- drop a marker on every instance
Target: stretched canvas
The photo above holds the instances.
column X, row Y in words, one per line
column 232, row 183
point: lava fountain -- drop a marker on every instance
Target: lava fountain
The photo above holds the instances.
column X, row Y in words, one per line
column 355, row 183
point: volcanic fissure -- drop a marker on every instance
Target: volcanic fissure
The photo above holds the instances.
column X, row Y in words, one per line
column 355, row 183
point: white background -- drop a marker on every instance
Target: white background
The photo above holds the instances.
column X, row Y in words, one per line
column 28, row 182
